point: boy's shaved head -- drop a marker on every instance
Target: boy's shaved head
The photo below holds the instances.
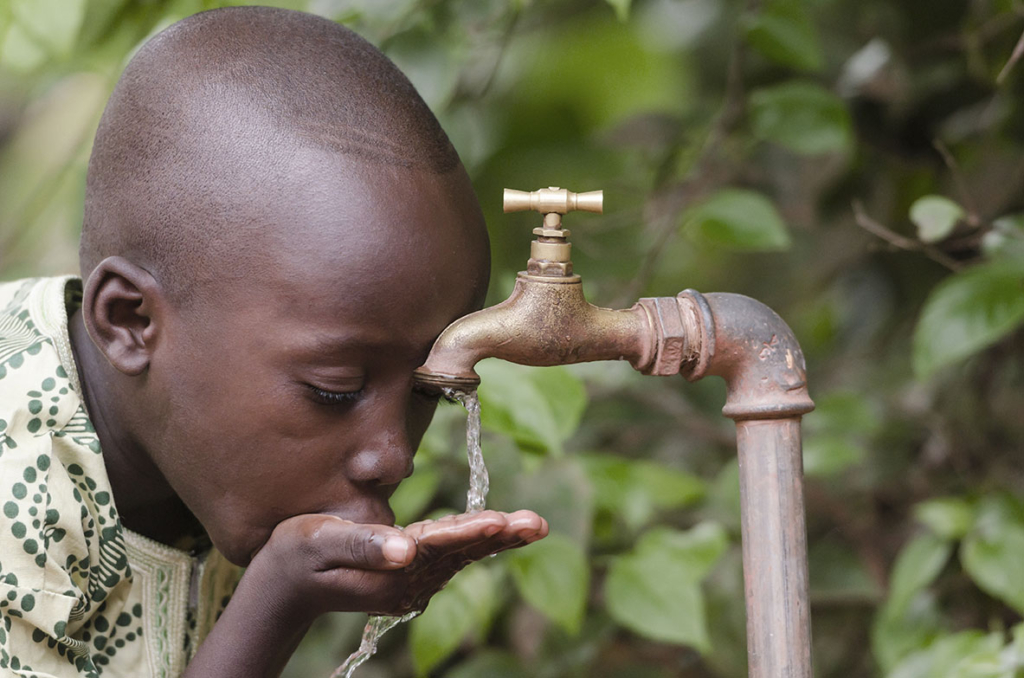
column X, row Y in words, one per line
column 217, row 117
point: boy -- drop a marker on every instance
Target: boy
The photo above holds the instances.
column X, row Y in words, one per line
column 276, row 229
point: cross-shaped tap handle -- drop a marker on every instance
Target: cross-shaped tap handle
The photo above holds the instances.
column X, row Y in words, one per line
column 553, row 200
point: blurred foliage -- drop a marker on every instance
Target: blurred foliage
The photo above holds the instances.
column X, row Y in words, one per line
column 856, row 164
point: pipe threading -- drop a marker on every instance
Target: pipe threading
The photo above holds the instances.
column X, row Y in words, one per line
column 700, row 328
column 679, row 337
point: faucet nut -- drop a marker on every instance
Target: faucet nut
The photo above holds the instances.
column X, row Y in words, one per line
column 674, row 340
column 549, row 269
column 552, row 232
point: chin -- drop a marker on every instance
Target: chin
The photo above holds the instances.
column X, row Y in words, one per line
column 240, row 550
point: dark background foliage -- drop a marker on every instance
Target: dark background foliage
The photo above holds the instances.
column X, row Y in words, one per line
column 855, row 164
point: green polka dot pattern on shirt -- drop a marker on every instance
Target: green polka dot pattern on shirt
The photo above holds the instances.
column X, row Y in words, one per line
column 79, row 594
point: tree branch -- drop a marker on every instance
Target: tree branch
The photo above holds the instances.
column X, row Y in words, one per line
column 900, row 241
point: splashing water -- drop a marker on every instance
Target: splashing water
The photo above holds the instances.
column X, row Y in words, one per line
column 376, row 626
column 476, row 501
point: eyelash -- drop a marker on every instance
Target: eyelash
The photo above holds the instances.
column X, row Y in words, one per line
column 333, row 397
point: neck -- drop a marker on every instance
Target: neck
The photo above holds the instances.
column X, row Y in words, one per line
column 145, row 501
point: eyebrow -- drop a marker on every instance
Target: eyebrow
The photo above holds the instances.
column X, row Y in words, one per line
column 346, row 344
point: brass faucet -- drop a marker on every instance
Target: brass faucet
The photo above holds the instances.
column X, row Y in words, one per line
column 547, row 321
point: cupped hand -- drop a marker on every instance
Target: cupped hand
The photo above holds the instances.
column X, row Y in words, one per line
column 445, row 546
column 318, row 563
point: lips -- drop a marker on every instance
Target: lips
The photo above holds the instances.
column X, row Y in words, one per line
column 367, row 511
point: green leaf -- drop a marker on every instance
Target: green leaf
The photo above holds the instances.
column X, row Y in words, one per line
column 635, row 490
column 723, row 502
column 908, row 621
column 537, row 407
column 565, row 394
column 784, row 33
column 621, row 8
column 968, row 312
column 917, row 566
column 558, row 489
column 595, row 73
column 466, row 605
column 414, row 494
column 835, row 436
column 827, row 456
column 1006, row 239
column 666, row 487
column 896, row 636
column 655, row 590
column 942, row 658
column 948, row 517
column 739, row 219
column 935, row 217
column 801, row 116
column 435, row 634
column 844, row 413
column 992, row 557
column 492, row 664
column 553, row 576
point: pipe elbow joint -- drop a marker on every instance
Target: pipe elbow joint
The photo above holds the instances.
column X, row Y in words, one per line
column 754, row 350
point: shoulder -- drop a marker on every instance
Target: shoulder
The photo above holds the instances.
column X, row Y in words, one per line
column 37, row 396
column 61, row 543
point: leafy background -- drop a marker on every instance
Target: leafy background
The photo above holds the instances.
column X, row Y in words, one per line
column 856, row 164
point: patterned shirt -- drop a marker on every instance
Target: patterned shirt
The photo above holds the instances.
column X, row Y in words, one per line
column 80, row 595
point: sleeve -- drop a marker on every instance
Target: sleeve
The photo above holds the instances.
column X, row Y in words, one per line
column 45, row 567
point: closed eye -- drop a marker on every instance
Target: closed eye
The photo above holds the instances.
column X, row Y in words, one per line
column 334, row 397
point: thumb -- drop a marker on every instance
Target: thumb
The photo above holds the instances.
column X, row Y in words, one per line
column 343, row 544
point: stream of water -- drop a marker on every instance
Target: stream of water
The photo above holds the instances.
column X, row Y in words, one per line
column 476, row 501
column 479, row 483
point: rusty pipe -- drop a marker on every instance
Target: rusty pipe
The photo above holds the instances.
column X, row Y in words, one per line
column 774, row 548
column 756, row 354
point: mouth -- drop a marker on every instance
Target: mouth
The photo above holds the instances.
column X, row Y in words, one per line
column 369, row 512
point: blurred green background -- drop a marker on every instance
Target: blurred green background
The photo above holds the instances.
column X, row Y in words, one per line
column 855, row 164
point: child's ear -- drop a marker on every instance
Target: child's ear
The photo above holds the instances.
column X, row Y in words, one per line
column 120, row 307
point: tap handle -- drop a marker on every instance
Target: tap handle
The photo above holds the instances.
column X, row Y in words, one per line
column 553, row 200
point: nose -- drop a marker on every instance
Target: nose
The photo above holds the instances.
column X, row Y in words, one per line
column 386, row 460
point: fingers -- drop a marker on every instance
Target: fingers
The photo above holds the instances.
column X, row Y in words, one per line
column 524, row 527
column 460, row 528
column 338, row 543
column 477, row 535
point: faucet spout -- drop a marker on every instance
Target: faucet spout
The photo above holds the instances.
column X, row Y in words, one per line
column 545, row 321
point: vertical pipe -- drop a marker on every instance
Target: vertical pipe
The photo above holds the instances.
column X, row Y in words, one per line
column 774, row 548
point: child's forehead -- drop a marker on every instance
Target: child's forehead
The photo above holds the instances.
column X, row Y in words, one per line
column 363, row 240
column 356, row 212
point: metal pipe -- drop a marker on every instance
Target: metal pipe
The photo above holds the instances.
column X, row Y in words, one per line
column 774, row 548
column 756, row 354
